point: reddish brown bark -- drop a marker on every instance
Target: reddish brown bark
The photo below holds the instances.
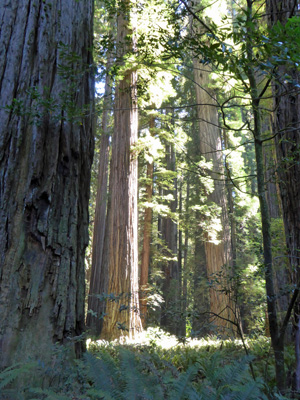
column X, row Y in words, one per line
column 218, row 254
column 98, row 281
column 46, row 144
column 121, row 244
column 286, row 126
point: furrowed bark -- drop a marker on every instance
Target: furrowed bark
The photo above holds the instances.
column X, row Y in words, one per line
column 218, row 254
column 121, row 245
column 46, row 144
column 98, row 282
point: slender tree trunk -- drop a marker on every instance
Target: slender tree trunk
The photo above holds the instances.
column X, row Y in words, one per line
column 182, row 259
column 185, row 282
column 98, row 282
column 146, row 237
column 171, row 309
column 121, row 244
column 46, row 144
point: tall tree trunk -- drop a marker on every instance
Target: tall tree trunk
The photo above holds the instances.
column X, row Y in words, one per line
column 146, row 236
column 121, row 244
column 182, row 260
column 276, row 332
column 281, row 266
column 171, row 308
column 98, row 282
column 46, row 144
column 286, row 125
column 201, row 308
column 218, row 257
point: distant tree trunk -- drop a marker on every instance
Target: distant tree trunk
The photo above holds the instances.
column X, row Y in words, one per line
column 46, row 144
column 182, row 327
column 146, row 237
column 200, row 322
column 218, row 255
column 171, row 309
column 99, row 277
column 281, row 266
column 121, row 244
column 182, row 260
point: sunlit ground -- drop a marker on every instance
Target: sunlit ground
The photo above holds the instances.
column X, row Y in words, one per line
column 166, row 341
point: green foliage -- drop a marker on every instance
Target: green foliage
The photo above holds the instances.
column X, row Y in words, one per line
column 13, row 374
column 159, row 368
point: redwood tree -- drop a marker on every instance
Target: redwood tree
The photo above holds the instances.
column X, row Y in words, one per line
column 120, row 258
column 46, row 143
column 98, row 281
column 217, row 251
column 286, row 129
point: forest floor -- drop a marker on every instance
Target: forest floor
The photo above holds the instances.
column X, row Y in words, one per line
column 155, row 366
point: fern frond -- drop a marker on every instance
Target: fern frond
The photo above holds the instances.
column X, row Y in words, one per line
column 250, row 391
column 10, row 374
column 96, row 394
column 137, row 384
column 104, row 374
column 182, row 386
column 11, row 394
column 50, row 395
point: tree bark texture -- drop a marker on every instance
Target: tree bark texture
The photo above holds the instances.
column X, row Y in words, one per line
column 146, row 236
column 286, row 126
column 218, row 257
column 121, row 242
column 170, row 316
column 46, row 144
column 201, row 307
column 275, row 332
column 99, row 276
column 282, row 272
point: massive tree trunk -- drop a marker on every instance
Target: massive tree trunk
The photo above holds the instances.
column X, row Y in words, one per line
column 46, row 145
column 217, row 244
column 286, row 125
column 218, row 258
column 121, row 244
column 201, row 307
column 98, row 282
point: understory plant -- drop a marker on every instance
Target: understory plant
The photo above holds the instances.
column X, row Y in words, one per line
column 159, row 369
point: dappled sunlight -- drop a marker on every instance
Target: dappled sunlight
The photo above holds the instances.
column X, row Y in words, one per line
column 158, row 337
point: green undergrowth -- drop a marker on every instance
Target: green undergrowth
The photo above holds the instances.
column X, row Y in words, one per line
column 155, row 367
